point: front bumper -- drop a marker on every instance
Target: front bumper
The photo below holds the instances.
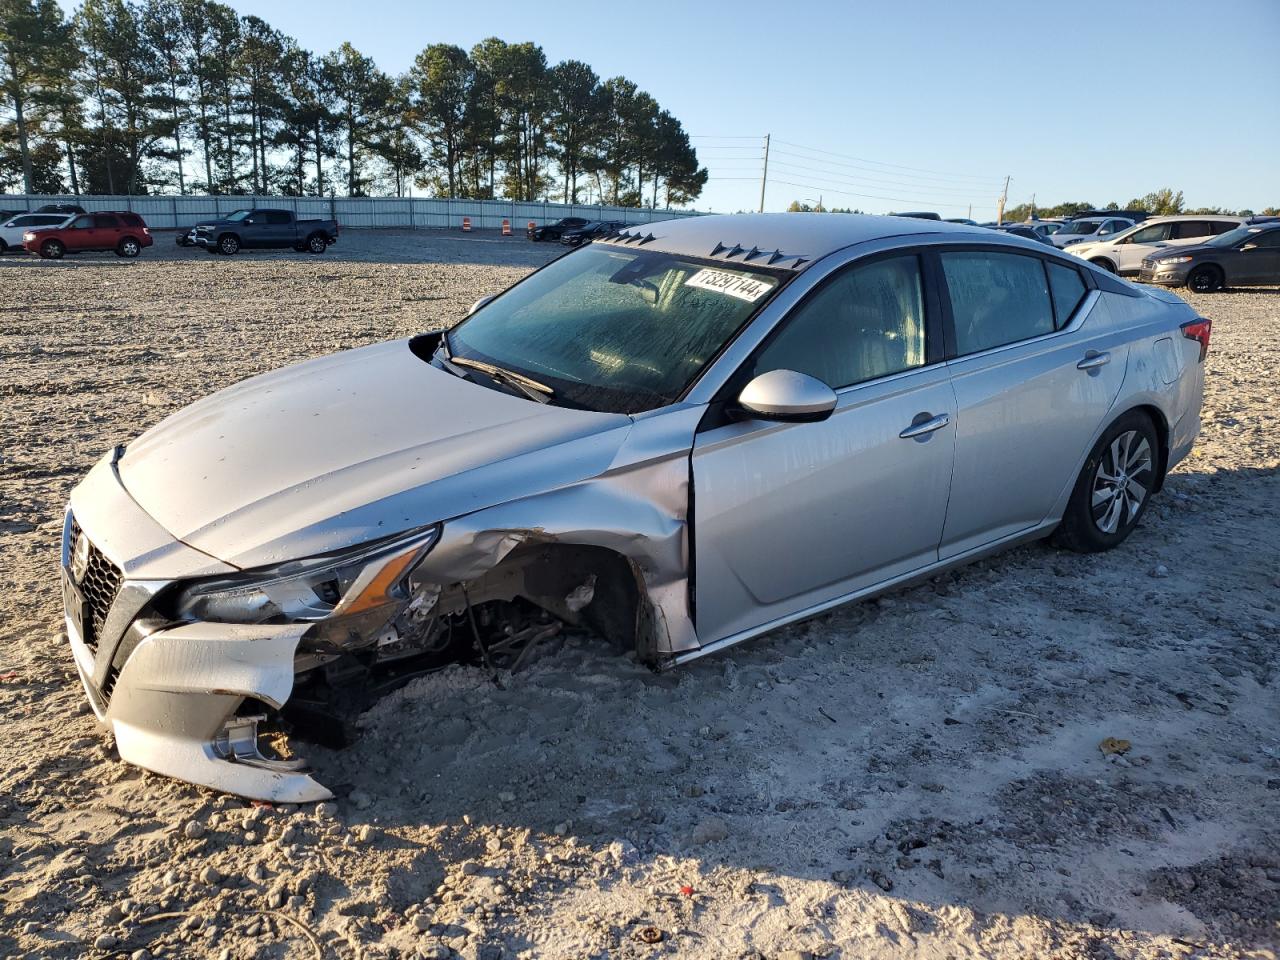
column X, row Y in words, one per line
column 1171, row 275
column 174, row 695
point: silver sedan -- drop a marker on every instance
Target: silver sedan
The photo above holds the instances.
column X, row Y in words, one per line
column 676, row 438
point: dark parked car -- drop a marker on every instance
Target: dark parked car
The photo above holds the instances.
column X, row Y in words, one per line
column 1018, row 230
column 918, row 215
column 60, row 208
column 1247, row 256
column 590, row 231
column 117, row 230
column 553, row 231
column 263, row 229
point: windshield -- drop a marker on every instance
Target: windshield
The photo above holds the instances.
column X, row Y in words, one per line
column 238, row 215
column 1232, row 237
column 614, row 329
column 1082, row 227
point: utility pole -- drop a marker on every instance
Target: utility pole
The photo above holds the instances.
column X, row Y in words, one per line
column 1004, row 198
column 764, row 174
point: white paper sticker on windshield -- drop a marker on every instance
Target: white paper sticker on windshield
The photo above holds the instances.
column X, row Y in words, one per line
column 749, row 289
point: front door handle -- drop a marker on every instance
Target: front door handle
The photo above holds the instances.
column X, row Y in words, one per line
column 922, row 427
column 1093, row 359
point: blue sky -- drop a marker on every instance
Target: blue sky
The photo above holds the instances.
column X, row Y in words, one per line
column 1093, row 100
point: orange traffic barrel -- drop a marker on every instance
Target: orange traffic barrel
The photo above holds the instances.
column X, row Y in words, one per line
column 466, row 224
column 506, row 227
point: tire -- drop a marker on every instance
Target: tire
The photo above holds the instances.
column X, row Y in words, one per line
column 1205, row 279
column 1104, row 263
column 129, row 247
column 1101, row 512
column 229, row 245
column 52, row 249
column 4, row 247
column 317, row 243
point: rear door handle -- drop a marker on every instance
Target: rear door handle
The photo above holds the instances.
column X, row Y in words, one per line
column 1093, row 359
column 925, row 426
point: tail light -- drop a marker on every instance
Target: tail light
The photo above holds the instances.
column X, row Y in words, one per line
column 1198, row 330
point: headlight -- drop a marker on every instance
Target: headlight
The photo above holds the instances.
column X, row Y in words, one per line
column 28, row 236
column 365, row 583
column 1168, row 260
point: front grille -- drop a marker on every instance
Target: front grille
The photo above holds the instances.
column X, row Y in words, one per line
column 100, row 584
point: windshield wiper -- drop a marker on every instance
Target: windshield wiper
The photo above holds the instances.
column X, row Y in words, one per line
column 533, row 389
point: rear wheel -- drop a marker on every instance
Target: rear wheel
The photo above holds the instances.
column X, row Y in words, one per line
column 228, row 245
column 1113, row 488
column 1206, row 279
column 52, row 249
column 129, row 247
column 317, row 243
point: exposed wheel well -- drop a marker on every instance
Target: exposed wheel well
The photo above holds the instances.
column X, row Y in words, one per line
column 1104, row 263
column 1161, row 425
column 547, row 573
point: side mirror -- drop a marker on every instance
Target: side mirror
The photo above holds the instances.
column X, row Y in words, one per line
column 787, row 396
column 248, row 222
column 480, row 303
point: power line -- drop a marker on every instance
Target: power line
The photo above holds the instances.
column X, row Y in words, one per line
column 876, row 184
column 846, row 156
column 843, row 169
column 867, row 196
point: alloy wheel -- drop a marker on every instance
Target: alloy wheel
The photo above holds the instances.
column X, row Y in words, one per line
column 1122, row 481
column 1203, row 281
column 317, row 244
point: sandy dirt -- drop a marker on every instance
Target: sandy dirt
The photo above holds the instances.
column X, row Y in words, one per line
column 914, row 776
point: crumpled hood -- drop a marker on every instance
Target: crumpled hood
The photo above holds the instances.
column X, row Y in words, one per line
column 348, row 448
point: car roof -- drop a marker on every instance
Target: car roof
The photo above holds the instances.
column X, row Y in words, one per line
column 786, row 241
column 1180, row 217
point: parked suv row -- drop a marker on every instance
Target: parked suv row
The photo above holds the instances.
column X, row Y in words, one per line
column 53, row 235
column 1124, row 252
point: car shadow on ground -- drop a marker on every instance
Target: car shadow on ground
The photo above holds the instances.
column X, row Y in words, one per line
column 940, row 748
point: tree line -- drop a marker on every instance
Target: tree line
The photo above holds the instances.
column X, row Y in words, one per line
column 1161, row 203
column 186, row 96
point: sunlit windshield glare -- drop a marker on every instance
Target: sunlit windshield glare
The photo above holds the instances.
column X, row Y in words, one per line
column 1232, row 237
column 614, row 329
column 239, row 215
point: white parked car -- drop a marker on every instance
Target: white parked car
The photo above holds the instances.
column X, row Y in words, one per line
column 11, row 230
column 1124, row 252
column 1089, row 228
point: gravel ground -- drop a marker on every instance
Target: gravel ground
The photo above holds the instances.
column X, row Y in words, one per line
column 918, row 775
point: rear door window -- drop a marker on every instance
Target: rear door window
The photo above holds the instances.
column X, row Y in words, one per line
column 1222, row 226
column 131, row 219
column 277, row 217
column 1190, row 230
column 996, row 298
column 105, row 221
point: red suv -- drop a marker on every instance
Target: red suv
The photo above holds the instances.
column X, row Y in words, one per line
column 125, row 233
